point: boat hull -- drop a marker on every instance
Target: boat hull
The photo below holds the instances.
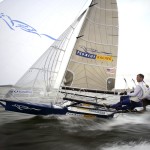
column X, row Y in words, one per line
column 29, row 108
column 43, row 109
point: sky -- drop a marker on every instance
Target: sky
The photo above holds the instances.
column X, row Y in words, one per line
column 19, row 49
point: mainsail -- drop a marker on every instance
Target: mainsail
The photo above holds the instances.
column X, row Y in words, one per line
column 87, row 60
column 94, row 58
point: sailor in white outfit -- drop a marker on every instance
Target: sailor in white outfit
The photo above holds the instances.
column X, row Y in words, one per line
column 132, row 100
column 139, row 91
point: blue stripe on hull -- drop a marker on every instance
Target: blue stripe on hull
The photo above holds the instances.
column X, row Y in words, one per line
column 35, row 109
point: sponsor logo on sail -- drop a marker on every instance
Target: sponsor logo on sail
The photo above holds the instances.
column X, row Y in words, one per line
column 103, row 57
column 85, row 54
column 22, row 91
column 14, row 24
column 94, row 56
column 111, row 70
column 92, row 50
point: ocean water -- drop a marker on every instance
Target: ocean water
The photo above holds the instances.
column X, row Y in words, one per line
column 124, row 131
column 27, row 132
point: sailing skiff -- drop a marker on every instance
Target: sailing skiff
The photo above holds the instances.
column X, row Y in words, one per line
column 76, row 72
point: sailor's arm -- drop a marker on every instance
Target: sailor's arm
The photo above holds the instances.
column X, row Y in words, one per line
column 136, row 91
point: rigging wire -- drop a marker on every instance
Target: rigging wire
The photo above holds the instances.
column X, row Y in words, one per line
column 134, row 82
column 126, row 84
column 84, row 6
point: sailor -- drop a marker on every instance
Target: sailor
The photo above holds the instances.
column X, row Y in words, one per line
column 146, row 99
column 129, row 101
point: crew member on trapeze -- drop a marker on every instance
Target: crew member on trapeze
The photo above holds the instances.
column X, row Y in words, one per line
column 129, row 101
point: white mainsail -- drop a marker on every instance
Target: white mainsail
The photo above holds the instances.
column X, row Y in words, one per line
column 94, row 58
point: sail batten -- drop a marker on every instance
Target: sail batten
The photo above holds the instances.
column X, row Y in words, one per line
column 99, row 43
column 96, row 65
column 100, row 24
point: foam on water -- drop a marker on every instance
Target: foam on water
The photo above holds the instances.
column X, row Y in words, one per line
column 104, row 124
column 131, row 145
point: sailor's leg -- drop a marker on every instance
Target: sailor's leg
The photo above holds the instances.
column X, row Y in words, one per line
column 123, row 98
column 145, row 103
column 119, row 104
column 124, row 103
column 136, row 104
column 116, row 106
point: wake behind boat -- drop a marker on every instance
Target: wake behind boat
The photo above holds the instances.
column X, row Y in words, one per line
column 78, row 67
